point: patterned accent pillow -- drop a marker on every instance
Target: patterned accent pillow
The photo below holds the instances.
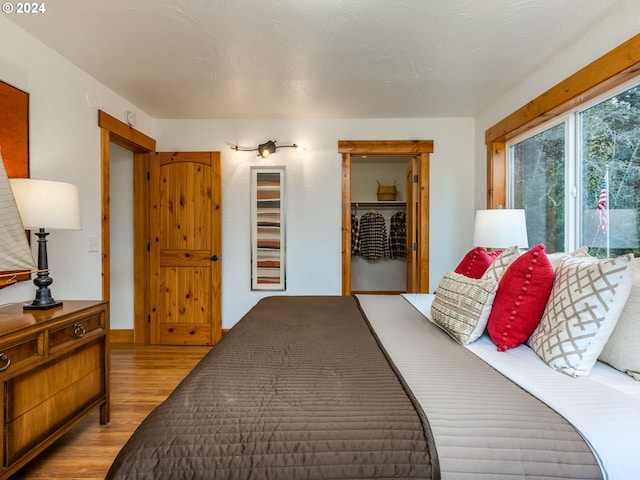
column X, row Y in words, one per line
column 500, row 264
column 585, row 302
column 476, row 262
column 622, row 350
column 520, row 299
column 462, row 305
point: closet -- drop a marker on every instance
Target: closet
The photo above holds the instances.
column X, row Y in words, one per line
column 379, row 255
column 407, row 162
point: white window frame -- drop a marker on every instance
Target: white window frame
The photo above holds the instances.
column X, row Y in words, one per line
column 573, row 173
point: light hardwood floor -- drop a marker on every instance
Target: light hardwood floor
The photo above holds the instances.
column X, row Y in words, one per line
column 141, row 377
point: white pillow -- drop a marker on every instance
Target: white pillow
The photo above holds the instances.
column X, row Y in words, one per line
column 622, row 350
column 587, row 297
column 557, row 258
column 462, row 305
column 501, row 263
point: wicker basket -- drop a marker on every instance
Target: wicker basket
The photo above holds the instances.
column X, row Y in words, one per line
column 387, row 192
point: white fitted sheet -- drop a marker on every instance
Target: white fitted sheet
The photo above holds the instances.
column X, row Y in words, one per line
column 604, row 406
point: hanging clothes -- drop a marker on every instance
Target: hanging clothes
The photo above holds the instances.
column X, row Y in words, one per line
column 374, row 243
column 398, row 235
column 355, row 235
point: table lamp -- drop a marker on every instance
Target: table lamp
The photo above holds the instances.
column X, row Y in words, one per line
column 500, row 228
column 45, row 205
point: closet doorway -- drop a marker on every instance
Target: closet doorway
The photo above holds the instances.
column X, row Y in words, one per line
column 413, row 156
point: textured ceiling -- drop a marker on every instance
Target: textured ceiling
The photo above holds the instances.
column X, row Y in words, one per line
column 310, row 58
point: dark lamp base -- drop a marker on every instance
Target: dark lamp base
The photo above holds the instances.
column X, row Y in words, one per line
column 41, row 306
column 43, row 300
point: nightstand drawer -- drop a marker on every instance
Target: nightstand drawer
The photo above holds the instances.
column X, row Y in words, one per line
column 32, row 389
column 59, row 390
column 72, row 332
column 14, row 357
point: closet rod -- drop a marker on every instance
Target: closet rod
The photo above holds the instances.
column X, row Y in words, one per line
column 382, row 204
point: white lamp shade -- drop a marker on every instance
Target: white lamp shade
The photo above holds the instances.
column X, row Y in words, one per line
column 500, row 228
column 46, row 204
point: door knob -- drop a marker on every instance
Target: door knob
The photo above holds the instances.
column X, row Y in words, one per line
column 214, row 258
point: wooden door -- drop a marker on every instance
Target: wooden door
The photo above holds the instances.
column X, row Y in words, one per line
column 185, row 265
column 412, row 233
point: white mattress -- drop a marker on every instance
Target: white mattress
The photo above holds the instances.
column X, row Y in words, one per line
column 604, row 407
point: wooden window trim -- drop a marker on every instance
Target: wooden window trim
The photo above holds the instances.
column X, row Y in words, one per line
column 607, row 72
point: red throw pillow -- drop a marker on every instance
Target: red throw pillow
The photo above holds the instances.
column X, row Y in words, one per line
column 521, row 297
column 476, row 262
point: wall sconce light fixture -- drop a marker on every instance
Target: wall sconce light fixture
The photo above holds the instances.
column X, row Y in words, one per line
column 266, row 149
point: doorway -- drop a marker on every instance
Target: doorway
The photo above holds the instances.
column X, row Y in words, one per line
column 175, row 300
column 416, row 156
column 121, row 241
column 372, row 270
column 113, row 131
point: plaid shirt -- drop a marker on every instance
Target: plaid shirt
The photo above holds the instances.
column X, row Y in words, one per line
column 398, row 235
column 373, row 236
column 355, row 235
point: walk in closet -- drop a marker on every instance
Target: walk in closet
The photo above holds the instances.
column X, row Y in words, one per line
column 365, row 165
column 378, row 251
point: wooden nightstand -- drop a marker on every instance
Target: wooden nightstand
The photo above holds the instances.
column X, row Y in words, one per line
column 54, row 370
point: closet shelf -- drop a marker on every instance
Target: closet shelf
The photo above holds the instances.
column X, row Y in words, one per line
column 376, row 204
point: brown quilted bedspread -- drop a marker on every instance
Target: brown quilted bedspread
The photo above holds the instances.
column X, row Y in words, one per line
column 298, row 389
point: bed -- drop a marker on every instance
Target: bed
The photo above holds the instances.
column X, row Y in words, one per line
column 368, row 387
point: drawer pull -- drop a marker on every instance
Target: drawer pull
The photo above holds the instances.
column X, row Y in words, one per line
column 78, row 330
column 6, row 360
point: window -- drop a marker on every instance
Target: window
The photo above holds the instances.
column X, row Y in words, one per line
column 537, row 176
column 561, row 173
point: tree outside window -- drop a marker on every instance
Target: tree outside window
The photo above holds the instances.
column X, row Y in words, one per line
column 537, row 185
column 608, row 142
column 610, row 133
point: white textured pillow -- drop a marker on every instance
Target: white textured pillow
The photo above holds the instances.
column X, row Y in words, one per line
column 462, row 305
column 500, row 264
column 557, row 258
column 622, row 350
column 587, row 297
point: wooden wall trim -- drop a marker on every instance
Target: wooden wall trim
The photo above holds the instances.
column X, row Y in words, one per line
column 496, row 175
column 612, row 69
column 346, row 224
column 423, row 220
column 385, row 147
column 140, row 250
column 105, row 185
column 121, row 336
column 124, row 135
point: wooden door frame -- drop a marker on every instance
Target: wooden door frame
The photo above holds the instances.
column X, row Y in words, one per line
column 400, row 148
column 411, row 230
column 127, row 137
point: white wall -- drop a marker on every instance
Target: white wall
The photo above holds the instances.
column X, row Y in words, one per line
column 121, row 241
column 64, row 145
column 314, row 193
column 611, row 30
